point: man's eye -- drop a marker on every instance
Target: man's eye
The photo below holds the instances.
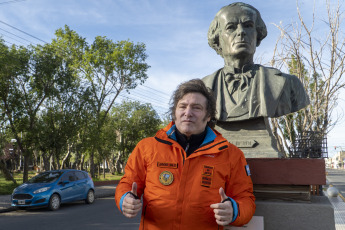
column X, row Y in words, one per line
column 249, row 25
column 231, row 27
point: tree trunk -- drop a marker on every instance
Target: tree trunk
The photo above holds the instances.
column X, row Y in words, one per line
column 82, row 162
column 280, row 144
column 104, row 168
column 99, row 170
column 66, row 157
column 57, row 163
column 7, row 174
column 26, row 169
column 111, row 164
column 92, row 165
column 45, row 162
column 118, row 163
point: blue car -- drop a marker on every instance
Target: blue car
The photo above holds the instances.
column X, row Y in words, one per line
column 51, row 188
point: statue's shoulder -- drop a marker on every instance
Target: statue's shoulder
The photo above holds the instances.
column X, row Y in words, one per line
column 289, row 81
column 274, row 71
column 269, row 70
column 210, row 79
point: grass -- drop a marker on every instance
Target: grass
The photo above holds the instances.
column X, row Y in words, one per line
column 6, row 187
column 108, row 176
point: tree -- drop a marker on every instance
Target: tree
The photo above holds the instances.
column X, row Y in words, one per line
column 28, row 77
column 4, row 151
column 59, row 124
column 107, row 68
column 319, row 64
column 133, row 122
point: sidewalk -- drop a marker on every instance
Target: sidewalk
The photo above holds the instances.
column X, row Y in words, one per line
column 100, row 191
column 338, row 204
column 339, row 212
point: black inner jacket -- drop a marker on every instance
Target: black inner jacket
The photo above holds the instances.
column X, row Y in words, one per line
column 191, row 144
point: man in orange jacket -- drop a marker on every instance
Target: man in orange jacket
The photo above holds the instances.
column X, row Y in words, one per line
column 190, row 177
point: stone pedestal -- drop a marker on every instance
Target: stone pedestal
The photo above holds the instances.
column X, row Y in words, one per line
column 318, row 214
column 254, row 137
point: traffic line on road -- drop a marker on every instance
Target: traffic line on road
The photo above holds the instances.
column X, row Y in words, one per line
column 341, row 196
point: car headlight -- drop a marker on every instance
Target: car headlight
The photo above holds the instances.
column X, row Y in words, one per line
column 41, row 190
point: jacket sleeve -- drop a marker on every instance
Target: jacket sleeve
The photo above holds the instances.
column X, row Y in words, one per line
column 240, row 187
column 135, row 171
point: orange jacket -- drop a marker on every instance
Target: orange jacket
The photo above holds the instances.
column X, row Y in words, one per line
column 178, row 191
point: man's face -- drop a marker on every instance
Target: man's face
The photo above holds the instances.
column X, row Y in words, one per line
column 239, row 36
column 191, row 114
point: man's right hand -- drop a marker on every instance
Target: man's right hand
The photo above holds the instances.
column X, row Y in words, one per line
column 130, row 205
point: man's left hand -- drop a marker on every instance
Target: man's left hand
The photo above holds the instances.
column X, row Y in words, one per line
column 223, row 212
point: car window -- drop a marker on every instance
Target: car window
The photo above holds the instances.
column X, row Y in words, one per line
column 80, row 175
column 45, row 177
column 69, row 176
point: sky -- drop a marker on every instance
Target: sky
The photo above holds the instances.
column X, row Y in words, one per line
column 174, row 32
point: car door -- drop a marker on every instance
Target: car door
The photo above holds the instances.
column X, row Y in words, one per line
column 67, row 187
column 81, row 185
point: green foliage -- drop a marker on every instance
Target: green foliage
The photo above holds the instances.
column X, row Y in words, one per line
column 7, row 187
column 134, row 121
column 55, row 98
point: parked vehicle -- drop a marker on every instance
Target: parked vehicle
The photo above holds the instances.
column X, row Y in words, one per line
column 52, row 188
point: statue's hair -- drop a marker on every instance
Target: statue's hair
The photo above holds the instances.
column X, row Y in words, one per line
column 214, row 30
column 194, row 86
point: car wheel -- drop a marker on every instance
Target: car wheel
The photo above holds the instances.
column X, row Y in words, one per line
column 90, row 198
column 54, row 202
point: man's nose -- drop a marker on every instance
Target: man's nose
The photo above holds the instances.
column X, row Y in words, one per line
column 188, row 111
column 240, row 30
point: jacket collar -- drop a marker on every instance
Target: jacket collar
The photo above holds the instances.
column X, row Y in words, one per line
column 210, row 135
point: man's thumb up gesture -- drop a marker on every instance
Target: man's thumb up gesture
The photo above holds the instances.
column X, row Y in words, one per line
column 223, row 211
column 131, row 203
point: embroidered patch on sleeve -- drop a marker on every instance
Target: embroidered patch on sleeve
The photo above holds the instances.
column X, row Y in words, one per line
column 247, row 170
column 167, row 165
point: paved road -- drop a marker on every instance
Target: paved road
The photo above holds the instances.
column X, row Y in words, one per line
column 104, row 215
column 101, row 215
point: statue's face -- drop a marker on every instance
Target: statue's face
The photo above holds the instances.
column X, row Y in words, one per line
column 238, row 35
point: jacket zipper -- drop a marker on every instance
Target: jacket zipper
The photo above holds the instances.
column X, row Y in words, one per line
column 187, row 147
column 182, row 156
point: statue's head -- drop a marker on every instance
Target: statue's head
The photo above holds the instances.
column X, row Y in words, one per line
column 236, row 29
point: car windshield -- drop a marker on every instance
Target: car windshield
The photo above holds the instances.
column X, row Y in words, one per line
column 46, row 177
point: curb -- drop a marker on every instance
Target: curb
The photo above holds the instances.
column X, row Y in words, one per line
column 107, row 182
column 10, row 209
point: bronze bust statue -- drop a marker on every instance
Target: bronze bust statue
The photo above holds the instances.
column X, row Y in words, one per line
column 245, row 90
column 247, row 93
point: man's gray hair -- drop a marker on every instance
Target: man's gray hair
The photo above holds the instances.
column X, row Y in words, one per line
column 215, row 30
